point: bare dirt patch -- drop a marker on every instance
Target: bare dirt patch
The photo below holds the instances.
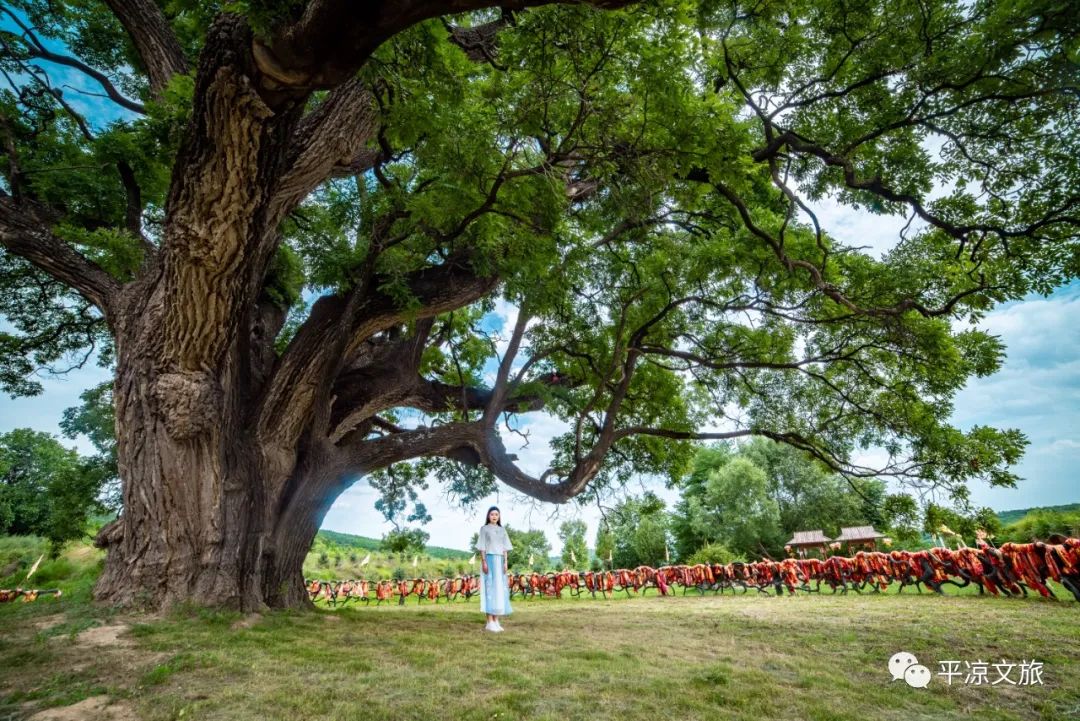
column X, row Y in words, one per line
column 48, row 622
column 105, row 636
column 95, row 707
column 247, row 621
column 111, row 648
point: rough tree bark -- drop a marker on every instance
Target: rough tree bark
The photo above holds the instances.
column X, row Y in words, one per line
column 197, row 520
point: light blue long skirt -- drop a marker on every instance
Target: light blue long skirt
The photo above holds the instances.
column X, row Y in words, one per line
column 495, row 588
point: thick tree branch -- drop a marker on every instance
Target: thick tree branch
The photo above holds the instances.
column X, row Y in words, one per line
column 331, row 40
column 158, row 47
column 457, row 441
column 499, row 392
column 218, row 238
column 24, row 231
column 361, row 393
column 492, row 451
column 330, row 138
column 35, row 49
column 315, row 355
column 468, row 443
column 479, row 41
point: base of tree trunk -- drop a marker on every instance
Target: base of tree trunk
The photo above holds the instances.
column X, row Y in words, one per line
column 160, row 581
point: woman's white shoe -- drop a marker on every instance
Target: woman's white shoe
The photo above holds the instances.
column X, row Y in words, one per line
column 490, row 626
column 498, row 626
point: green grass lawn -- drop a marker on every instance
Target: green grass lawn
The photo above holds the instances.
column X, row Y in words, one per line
column 712, row 657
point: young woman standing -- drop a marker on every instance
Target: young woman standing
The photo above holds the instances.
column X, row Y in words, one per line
column 493, row 543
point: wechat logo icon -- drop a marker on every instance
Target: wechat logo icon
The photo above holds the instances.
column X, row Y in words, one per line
column 904, row 665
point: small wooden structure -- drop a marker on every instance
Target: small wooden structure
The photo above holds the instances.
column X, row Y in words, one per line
column 803, row 541
column 859, row 536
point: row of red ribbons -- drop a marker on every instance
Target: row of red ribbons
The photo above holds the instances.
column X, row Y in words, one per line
column 27, row 594
column 1010, row 569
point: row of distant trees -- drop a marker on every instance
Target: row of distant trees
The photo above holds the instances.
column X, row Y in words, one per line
column 745, row 502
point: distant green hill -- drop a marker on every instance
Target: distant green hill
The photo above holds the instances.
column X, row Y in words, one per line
column 1008, row 517
column 337, row 542
column 348, row 540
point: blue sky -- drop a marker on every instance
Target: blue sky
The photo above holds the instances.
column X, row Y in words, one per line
column 79, row 90
column 1037, row 391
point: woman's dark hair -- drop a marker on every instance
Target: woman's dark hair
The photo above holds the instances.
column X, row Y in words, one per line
column 488, row 515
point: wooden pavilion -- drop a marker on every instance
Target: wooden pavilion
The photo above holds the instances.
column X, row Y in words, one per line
column 859, row 536
column 802, row 541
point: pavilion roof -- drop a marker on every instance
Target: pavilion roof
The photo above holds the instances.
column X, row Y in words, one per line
column 859, row 533
column 808, row 538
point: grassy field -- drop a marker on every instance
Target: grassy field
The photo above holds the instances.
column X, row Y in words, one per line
column 712, row 657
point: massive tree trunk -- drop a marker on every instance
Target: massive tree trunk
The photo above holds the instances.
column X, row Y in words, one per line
column 195, row 518
column 198, row 523
column 203, row 490
column 214, row 514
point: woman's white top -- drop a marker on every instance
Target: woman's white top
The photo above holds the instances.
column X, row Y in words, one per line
column 493, row 539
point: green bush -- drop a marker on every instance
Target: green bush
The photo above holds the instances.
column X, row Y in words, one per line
column 712, row 553
column 74, row 572
column 23, row 550
column 53, row 570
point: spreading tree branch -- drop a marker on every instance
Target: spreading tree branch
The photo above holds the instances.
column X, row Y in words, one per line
column 330, row 138
column 154, row 39
column 339, row 325
column 331, row 40
column 36, row 49
column 24, row 231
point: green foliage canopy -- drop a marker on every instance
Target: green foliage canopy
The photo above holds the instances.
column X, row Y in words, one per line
column 636, row 531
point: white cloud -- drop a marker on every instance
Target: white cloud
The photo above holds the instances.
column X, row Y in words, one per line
column 1063, row 445
column 1037, row 391
column 876, row 234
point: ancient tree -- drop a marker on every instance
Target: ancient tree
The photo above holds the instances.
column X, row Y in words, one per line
column 286, row 225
